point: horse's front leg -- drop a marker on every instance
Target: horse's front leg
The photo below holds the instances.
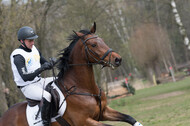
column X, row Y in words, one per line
column 112, row 115
column 91, row 122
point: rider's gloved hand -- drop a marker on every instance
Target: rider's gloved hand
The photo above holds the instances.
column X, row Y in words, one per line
column 53, row 61
column 46, row 66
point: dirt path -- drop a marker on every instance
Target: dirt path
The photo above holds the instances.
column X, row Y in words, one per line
column 166, row 95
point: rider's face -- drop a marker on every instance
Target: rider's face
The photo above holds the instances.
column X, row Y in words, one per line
column 29, row 43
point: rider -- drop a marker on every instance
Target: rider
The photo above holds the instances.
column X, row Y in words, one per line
column 27, row 65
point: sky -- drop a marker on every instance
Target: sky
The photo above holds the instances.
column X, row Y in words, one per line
column 6, row 1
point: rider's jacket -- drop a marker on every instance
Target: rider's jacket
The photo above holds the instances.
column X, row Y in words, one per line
column 25, row 65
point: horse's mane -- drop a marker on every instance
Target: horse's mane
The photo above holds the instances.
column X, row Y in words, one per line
column 63, row 61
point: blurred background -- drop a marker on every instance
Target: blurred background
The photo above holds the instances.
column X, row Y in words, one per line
column 150, row 35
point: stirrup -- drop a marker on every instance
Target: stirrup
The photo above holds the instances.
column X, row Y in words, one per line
column 45, row 123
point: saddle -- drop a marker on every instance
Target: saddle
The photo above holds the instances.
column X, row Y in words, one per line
column 58, row 107
column 54, row 102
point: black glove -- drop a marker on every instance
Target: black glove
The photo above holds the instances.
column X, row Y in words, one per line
column 46, row 66
column 53, row 61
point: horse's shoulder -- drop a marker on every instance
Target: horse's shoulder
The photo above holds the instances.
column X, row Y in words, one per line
column 17, row 110
column 14, row 108
column 19, row 105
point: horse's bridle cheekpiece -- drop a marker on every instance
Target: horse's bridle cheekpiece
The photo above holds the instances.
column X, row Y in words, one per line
column 99, row 60
column 89, row 51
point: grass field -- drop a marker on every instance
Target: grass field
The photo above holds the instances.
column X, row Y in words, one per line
column 163, row 105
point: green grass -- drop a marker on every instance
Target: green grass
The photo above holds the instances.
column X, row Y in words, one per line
column 150, row 110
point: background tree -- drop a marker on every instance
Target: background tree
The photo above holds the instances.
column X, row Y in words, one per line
column 147, row 48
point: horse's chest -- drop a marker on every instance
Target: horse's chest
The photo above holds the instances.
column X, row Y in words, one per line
column 86, row 105
column 95, row 104
column 90, row 104
column 93, row 107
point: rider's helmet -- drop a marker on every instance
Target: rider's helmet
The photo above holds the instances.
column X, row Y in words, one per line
column 26, row 33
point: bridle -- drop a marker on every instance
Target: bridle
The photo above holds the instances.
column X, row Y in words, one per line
column 89, row 52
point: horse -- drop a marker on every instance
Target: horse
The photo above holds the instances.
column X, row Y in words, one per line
column 86, row 102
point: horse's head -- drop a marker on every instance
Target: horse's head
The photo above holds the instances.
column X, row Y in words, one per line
column 96, row 51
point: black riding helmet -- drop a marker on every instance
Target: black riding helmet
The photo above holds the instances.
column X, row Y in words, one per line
column 26, row 33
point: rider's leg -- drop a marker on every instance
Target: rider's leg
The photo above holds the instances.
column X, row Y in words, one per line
column 47, row 81
column 46, row 112
column 35, row 91
column 46, row 103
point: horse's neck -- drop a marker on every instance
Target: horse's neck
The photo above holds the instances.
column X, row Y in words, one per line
column 83, row 76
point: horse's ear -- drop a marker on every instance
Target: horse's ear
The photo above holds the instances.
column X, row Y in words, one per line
column 78, row 33
column 93, row 29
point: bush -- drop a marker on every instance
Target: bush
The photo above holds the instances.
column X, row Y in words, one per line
column 130, row 88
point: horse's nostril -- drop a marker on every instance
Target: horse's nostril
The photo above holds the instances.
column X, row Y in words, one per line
column 118, row 61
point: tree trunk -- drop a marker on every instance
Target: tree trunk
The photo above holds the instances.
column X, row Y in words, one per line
column 104, row 83
column 157, row 69
column 3, row 105
column 150, row 72
column 182, row 30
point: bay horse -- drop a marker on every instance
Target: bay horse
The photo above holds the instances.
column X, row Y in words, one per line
column 86, row 103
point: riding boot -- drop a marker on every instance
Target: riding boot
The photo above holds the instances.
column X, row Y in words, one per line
column 45, row 112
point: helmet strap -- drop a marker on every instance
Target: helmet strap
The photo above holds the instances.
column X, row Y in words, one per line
column 23, row 43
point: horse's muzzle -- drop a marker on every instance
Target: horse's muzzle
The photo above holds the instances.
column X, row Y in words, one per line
column 118, row 61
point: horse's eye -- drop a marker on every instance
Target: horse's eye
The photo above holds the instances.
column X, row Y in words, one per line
column 93, row 45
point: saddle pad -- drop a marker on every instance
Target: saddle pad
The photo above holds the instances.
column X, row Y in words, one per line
column 31, row 112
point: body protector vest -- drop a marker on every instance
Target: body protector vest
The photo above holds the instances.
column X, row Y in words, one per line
column 32, row 62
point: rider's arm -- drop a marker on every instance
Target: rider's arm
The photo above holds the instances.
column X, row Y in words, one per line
column 19, row 61
column 42, row 59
